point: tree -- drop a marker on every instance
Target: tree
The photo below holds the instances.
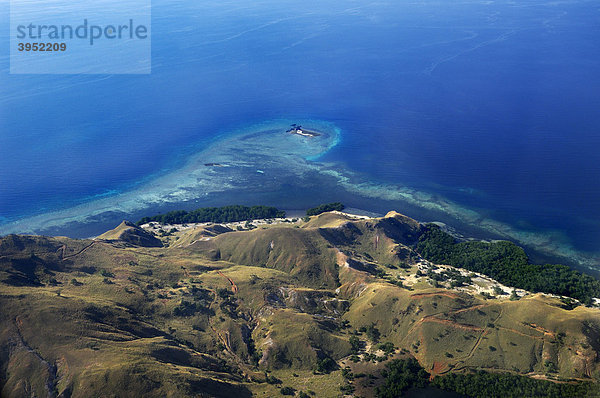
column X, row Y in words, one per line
column 355, row 344
column 387, row 347
column 508, row 264
column 326, row 365
column 373, row 333
column 324, row 208
column 215, row 214
column 400, row 375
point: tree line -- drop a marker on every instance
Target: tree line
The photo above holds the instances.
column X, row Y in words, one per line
column 508, row 264
column 315, row 211
column 402, row 374
column 215, row 214
column 232, row 213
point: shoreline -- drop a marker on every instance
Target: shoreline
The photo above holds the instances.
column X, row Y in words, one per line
column 188, row 182
column 264, row 164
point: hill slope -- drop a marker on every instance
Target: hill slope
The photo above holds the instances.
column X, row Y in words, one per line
column 311, row 303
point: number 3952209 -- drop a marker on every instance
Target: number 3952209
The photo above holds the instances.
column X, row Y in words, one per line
column 42, row 46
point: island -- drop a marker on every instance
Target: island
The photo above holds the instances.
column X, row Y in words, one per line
column 247, row 301
column 299, row 130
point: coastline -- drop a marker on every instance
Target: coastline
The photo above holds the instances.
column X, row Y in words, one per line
column 238, row 149
column 263, row 164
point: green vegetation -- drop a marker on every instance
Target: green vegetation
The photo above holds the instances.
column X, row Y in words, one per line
column 249, row 314
column 494, row 385
column 388, row 347
column 371, row 331
column 107, row 274
column 347, row 389
column 568, row 303
column 356, row 344
column 508, row 264
column 403, row 374
column 287, row 391
column 271, row 379
column 215, row 214
column 514, row 296
column 326, row 365
column 201, row 304
column 324, row 208
column 455, row 278
column 347, row 373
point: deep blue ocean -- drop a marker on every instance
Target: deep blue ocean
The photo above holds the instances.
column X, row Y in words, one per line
column 491, row 104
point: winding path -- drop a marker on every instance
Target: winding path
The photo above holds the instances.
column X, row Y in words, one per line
column 234, row 287
column 64, row 248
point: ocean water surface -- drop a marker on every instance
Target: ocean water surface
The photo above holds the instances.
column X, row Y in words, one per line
column 482, row 114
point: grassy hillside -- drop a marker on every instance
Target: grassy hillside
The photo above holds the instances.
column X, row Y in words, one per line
column 315, row 307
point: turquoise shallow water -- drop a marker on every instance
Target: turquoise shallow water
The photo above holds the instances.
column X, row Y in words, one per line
column 478, row 111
